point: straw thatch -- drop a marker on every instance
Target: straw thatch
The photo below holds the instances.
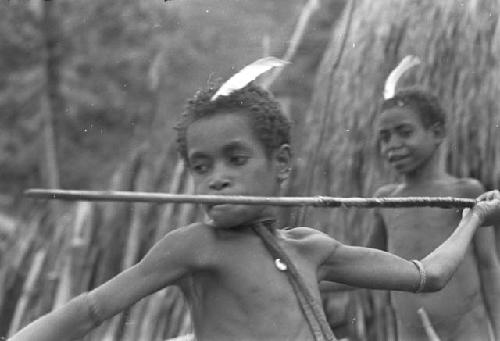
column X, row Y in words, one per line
column 50, row 261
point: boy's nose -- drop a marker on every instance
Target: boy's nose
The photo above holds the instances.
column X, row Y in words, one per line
column 394, row 142
column 219, row 184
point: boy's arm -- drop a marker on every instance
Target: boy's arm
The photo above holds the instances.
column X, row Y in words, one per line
column 377, row 239
column 169, row 260
column 375, row 269
column 327, row 286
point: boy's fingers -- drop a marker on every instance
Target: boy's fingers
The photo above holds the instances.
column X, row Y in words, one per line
column 490, row 195
column 483, row 197
column 465, row 212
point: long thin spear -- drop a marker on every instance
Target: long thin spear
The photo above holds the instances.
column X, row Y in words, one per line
column 317, row 201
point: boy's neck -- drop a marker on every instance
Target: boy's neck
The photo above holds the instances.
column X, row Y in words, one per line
column 431, row 169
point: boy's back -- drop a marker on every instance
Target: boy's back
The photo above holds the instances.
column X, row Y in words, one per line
column 458, row 310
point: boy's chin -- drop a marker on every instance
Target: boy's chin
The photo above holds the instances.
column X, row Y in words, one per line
column 232, row 217
column 403, row 168
column 226, row 223
column 223, row 224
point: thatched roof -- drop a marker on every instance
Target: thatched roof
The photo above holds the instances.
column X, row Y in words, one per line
column 459, row 45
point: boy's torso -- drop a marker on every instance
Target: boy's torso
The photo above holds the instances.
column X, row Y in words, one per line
column 241, row 294
column 457, row 312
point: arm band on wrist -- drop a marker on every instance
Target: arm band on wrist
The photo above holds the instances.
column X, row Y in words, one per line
column 94, row 313
column 423, row 277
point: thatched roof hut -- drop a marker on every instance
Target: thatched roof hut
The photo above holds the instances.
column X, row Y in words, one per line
column 459, row 45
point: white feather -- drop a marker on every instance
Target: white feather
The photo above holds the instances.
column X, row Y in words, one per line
column 392, row 80
column 247, row 74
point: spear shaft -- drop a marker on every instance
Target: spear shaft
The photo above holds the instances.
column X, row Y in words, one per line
column 316, row 201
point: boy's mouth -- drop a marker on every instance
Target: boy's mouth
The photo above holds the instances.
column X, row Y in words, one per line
column 394, row 158
column 212, row 207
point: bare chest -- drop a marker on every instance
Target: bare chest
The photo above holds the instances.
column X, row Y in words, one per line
column 249, row 269
column 246, row 291
column 414, row 232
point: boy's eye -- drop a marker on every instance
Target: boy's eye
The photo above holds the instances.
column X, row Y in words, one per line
column 383, row 137
column 405, row 132
column 238, row 160
column 199, row 168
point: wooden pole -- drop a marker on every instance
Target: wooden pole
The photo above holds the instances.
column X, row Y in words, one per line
column 429, row 329
column 27, row 291
column 316, row 201
column 306, row 13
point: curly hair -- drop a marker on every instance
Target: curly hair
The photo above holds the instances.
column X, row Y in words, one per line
column 423, row 103
column 268, row 123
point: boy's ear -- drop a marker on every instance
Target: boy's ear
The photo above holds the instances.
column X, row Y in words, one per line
column 283, row 158
column 438, row 131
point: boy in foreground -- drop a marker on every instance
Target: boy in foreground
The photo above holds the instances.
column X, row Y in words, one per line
column 239, row 145
column 411, row 128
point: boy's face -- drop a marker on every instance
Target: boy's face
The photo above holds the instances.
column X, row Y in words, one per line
column 225, row 158
column 403, row 140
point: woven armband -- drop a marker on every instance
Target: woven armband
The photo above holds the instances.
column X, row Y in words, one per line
column 423, row 276
column 93, row 310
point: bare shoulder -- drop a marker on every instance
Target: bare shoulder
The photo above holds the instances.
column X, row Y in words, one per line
column 178, row 253
column 311, row 242
column 181, row 242
column 304, row 233
column 386, row 190
column 468, row 187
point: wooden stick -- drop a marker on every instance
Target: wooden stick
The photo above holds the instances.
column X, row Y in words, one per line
column 298, row 34
column 317, row 201
column 429, row 329
column 28, row 289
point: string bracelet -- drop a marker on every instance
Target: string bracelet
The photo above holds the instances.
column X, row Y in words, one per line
column 423, row 276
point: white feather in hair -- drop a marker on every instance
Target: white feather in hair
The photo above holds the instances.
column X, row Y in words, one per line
column 392, row 80
column 247, row 74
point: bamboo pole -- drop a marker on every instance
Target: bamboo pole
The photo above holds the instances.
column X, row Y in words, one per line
column 306, row 13
column 27, row 292
column 176, row 182
column 429, row 329
column 316, row 201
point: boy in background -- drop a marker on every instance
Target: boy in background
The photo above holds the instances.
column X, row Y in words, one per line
column 411, row 128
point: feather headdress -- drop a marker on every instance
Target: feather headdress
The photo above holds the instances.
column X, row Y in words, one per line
column 247, row 74
column 392, row 80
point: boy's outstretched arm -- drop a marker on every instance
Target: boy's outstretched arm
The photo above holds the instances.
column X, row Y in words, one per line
column 375, row 269
column 170, row 259
column 377, row 239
